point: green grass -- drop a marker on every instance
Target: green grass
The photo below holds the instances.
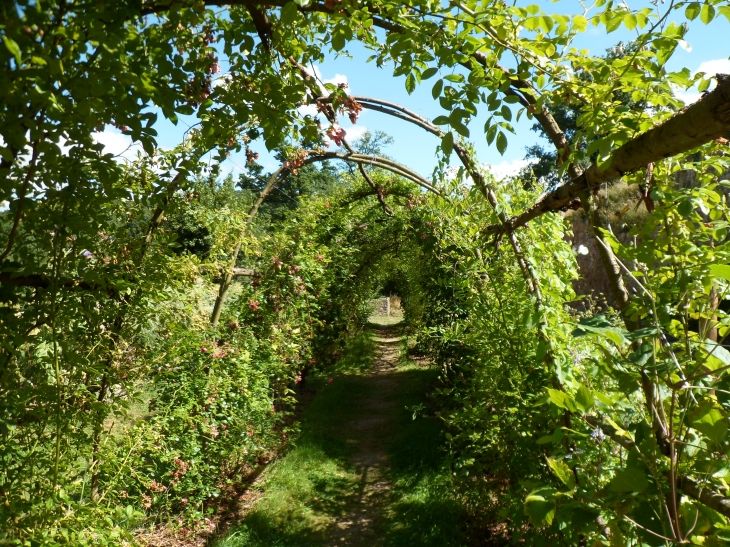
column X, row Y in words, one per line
column 424, row 511
column 385, row 320
column 315, row 483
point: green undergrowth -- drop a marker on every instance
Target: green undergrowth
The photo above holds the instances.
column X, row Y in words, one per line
column 315, row 483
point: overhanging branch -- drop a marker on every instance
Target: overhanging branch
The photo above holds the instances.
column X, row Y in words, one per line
column 318, row 88
column 702, row 122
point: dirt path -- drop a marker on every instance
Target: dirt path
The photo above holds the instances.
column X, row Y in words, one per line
column 367, row 468
column 363, row 522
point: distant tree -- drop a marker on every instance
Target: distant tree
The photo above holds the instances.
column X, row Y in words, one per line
column 309, row 180
column 373, row 143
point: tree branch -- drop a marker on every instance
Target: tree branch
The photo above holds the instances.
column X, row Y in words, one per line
column 689, row 486
column 704, row 121
column 228, row 275
column 319, row 90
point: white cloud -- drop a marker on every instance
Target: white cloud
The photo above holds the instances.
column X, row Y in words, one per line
column 687, row 97
column 116, row 143
column 507, row 168
column 312, row 110
column 314, row 70
column 229, row 168
column 308, row 110
column 337, row 79
column 716, row 66
column 222, row 80
column 710, row 68
column 354, row 132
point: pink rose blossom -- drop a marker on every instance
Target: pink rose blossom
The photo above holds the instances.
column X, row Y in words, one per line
column 336, row 133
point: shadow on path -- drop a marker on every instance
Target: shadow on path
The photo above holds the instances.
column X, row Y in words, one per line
column 363, row 471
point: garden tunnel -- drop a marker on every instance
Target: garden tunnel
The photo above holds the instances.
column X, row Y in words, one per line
column 138, row 377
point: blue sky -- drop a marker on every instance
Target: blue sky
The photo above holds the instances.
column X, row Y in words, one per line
column 710, row 50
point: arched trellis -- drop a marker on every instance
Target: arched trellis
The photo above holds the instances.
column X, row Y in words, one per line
column 704, row 121
column 281, row 174
column 318, row 90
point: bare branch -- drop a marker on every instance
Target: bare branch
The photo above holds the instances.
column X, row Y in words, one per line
column 375, row 161
column 318, row 89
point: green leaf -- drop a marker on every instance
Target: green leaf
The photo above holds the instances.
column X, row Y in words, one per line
column 685, row 207
column 531, row 23
column 447, row 143
column 289, row 13
column 692, row 11
column 630, row 21
column 540, row 506
column 338, row 41
column 13, row 48
column 562, row 472
column 646, row 332
column 599, row 325
column 584, row 399
column 545, row 23
column 580, row 23
column 717, row 356
column 642, row 355
column 614, row 23
column 437, row 88
column 562, row 400
column 530, row 318
column 441, row 120
column 707, row 14
column 429, row 72
column 724, row 10
column 491, row 134
column 460, row 128
column 708, row 420
column 720, row 270
column 501, row 143
column 458, row 78
column 148, row 145
column 628, row 480
column 410, row 83
column 506, row 113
